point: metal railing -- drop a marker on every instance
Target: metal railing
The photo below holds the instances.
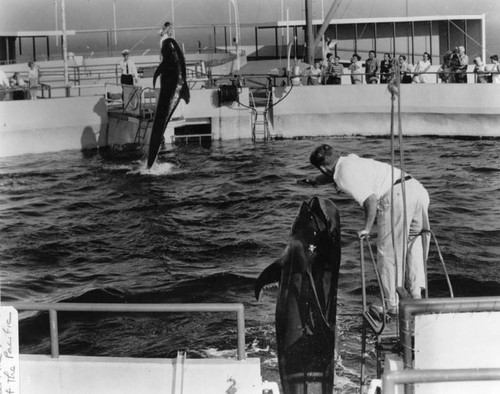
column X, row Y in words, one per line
column 391, row 380
column 409, row 308
column 53, row 308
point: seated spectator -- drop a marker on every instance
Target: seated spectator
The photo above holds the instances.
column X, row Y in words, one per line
column 372, row 68
column 356, row 68
column 445, row 72
column 16, row 81
column 4, row 81
column 480, row 71
column 404, row 69
column 461, row 63
column 337, row 71
column 314, row 74
column 495, row 69
column 386, row 68
column 419, row 74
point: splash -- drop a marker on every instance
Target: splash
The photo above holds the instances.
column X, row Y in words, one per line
column 157, row 169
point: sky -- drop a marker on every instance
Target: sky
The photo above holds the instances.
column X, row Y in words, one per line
column 98, row 14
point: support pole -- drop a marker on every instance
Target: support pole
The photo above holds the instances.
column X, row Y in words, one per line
column 309, row 33
column 65, row 45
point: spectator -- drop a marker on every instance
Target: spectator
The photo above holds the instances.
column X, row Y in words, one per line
column 327, row 76
column 446, row 70
column 33, row 79
column 314, row 76
column 385, row 68
column 404, row 69
column 356, row 70
column 129, row 75
column 337, row 71
column 462, row 61
column 4, row 84
column 372, row 68
column 495, row 70
column 4, row 81
column 480, row 71
column 16, row 81
column 420, row 73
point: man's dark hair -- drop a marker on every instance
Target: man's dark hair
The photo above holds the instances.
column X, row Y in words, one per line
column 319, row 155
column 494, row 57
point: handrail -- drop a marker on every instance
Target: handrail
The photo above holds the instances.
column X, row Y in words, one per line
column 408, row 308
column 392, row 379
column 53, row 308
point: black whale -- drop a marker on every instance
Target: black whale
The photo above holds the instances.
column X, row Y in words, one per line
column 172, row 72
column 307, row 301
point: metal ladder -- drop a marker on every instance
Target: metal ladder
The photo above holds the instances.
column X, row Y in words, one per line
column 142, row 129
column 260, row 119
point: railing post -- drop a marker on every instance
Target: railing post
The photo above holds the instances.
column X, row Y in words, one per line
column 54, row 334
column 240, row 317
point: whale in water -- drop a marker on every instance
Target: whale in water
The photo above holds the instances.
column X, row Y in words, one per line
column 306, row 307
column 173, row 88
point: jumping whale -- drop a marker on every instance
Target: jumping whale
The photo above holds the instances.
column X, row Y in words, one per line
column 173, row 87
column 306, row 306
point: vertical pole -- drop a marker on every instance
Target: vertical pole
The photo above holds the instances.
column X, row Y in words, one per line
column 65, row 44
column 57, row 22
column 413, row 42
column 430, row 39
column 114, row 22
column 483, row 37
column 215, row 40
column 356, row 37
column 256, row 44
column 394, row 39
column 449, row 34
column 225, row 36
column 375, row 37
column 276, row 41
column 309, row 33
column 465, row 36
column 48, row 48
column 34, row 48
column 240, row 316
column 230, row 22
column 54, row 333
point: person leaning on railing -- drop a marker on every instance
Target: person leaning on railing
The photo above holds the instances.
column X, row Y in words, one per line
column 386, row 68
column 420, row 74
column 495, row 69
column 480, row 71
column 461, row 61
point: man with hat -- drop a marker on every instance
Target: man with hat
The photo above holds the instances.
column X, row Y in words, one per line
column 129, row 75
column 370, row 183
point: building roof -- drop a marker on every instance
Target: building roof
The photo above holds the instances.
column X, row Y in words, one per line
column 399, row 19
column 41, row 33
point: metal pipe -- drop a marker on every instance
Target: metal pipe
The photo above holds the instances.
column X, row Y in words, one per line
column 89, row 307
column 394, row 378
column 54, row 334
column 411, row 307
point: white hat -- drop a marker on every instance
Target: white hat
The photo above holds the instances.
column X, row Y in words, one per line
column 125, row 52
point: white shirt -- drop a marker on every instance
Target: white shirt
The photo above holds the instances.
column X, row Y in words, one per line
column 4, row 81
column 360, row 177
column 132, row 70
column 496, row 69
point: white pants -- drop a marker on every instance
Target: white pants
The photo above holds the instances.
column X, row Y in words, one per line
column 416, row 242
